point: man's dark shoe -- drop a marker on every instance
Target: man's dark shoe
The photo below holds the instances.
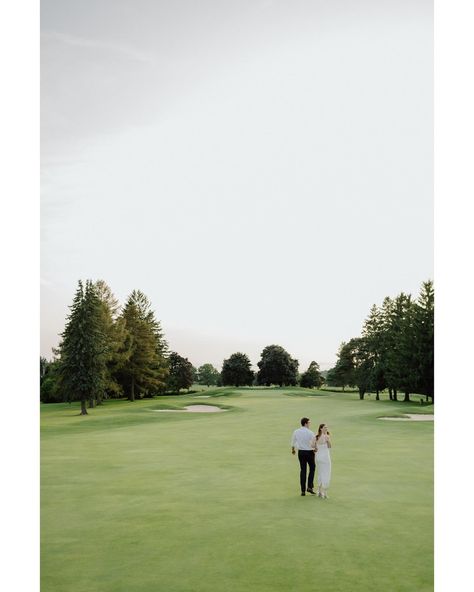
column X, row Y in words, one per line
column 303, row 493
column 311, row 491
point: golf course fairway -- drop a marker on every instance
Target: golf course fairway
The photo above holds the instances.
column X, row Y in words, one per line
column 138, row 501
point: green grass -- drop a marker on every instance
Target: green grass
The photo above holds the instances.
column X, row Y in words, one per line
column 138, row 501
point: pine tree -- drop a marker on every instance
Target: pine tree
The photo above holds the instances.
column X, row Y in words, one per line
column 147, row 314
column 399, row 351
column 118, row 350
column 373, row 335
column 146, row 368
column 83, row 349
column 424, row 342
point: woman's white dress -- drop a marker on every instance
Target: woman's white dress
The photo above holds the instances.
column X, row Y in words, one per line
column 323, row 462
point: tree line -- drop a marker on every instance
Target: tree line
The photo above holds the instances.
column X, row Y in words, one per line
column 111, row 351
column 107, row 351
column 395, row 350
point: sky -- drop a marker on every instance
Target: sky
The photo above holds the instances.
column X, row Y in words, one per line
column 262, row 171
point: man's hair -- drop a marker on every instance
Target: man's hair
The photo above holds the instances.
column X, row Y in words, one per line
column 304, row 421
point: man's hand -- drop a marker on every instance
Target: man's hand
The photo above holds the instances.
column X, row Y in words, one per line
column 293, row 451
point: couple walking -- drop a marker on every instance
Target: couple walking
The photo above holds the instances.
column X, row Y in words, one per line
column 313, row 449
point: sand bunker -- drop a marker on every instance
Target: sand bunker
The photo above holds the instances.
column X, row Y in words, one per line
column 411, row 417
column 203, row 408
column 193, row 409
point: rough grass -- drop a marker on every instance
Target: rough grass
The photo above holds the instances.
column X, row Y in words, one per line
column 136, row 501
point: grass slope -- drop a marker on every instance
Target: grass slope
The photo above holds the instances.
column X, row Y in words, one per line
column 138, row 501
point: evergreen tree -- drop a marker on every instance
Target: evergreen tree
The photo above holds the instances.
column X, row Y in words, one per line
column 398, row 355
column 276, row 366
column 83, row 349
column 386, row 343
column 423, row 319
column 146, row 313
column 208, row 375
column 395, row 350
column 118, row 350
column 236, row 371
column 180, row 373
column 146, row 368
column 373, row 335
column 312, row 377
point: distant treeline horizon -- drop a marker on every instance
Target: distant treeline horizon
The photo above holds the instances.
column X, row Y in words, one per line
column 111, row 351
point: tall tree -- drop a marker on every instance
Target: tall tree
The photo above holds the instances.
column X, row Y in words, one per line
column 208, row 375
column 398, row 371
column 236, row 371
column 312, row 377
column 146, row 368
column 181, row 373
column 118, row 351
column 362, row 364
column 276, row 366
column 147, row 314
column 424, row 339
column 374, row 345
column 83, row 349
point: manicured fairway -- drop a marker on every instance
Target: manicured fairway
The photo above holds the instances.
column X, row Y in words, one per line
column 139, row 501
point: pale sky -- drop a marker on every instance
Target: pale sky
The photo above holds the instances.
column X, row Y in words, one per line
column 262, row 171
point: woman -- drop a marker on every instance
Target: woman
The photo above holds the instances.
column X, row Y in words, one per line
column 323, row 460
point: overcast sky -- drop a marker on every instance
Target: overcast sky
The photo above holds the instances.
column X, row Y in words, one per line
column 261, row 170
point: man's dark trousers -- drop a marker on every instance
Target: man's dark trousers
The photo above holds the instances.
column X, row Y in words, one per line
column 306, row 457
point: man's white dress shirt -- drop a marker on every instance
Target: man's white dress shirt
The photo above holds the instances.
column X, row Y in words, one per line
column 303, row 439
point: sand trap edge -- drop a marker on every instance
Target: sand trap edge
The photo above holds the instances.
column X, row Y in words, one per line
column 410, row 417
column 193, row 409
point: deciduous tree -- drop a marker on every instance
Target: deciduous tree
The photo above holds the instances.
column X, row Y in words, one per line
column 276, row 366
column 236, row 371
column 181, row 373
column 312, row 377
column 208, row 375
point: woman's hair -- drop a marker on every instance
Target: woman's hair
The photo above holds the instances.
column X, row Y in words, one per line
column 320, row 429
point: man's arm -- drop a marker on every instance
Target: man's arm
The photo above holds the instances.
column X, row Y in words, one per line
column 293, row 443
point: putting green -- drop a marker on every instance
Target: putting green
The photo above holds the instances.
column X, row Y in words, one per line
column 135, row 501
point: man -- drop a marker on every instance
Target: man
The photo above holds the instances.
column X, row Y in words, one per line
column 305, row 441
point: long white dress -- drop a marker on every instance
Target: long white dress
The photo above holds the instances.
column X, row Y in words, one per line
column 323, row 462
